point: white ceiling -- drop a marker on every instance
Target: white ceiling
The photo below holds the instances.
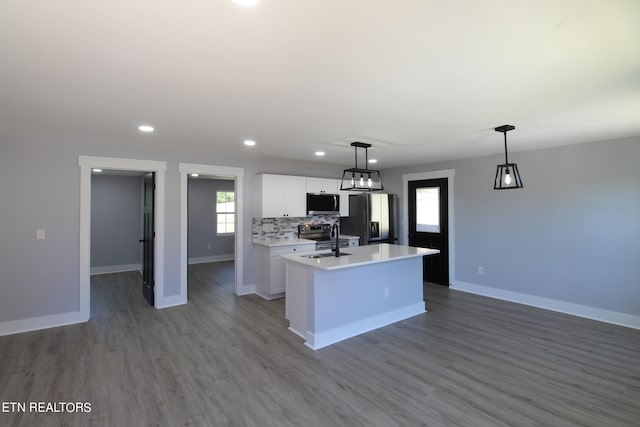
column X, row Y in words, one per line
column 422, row 80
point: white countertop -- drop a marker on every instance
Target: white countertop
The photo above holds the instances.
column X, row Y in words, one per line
column 360, row 255
column 349, row 236
column 272, row 243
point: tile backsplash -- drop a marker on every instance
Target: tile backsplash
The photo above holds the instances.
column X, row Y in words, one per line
column 286, row 227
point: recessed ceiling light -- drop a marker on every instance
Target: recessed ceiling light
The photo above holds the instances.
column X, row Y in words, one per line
column 249, row 143
column 319, row 153
column 247, row 3
column 96, row 170
column 373, row 161
column 195, row 175
column 145, row 128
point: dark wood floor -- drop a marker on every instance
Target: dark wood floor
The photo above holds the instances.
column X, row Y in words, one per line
column 226, row 360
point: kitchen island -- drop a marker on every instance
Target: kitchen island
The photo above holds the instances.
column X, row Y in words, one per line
column 330, row 299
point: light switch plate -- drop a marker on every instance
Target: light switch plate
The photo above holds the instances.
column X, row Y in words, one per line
column 40, row 234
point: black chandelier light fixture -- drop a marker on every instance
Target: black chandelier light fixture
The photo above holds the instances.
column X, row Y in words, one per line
column 361, row 179
column 507, row 174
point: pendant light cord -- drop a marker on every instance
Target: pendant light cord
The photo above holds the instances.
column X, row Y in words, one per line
column 506, row 158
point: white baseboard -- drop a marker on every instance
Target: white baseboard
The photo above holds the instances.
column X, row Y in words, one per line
column 43, row 322
column 115, row 269
column 325, row 338
column 172, row 301
column 297, row 333
column 271, row 297
column 246, row 290
column 607, row 316
column 213, row 258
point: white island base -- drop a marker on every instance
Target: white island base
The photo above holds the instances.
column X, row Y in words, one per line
column 329, row 300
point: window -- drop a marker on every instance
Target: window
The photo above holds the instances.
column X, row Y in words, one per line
column 428, row 209
column 225, row 212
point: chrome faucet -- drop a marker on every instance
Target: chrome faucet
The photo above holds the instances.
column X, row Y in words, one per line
column 335, row 229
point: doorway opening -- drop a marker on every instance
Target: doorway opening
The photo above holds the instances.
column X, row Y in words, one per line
column 121, row 238
column 211, row 233
column 431, row 229
column 235, row 175
column 87, row 164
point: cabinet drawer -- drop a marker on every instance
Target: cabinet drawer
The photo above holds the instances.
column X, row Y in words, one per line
column 281, row 250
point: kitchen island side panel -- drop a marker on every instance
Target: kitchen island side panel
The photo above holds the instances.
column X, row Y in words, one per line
column 298, row 278
column 353, row 295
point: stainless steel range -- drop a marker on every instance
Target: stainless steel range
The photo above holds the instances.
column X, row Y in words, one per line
column 321, row 233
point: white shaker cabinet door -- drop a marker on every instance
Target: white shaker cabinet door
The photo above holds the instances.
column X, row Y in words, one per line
column 295, row 198
column 273, row 196
column 322, row 185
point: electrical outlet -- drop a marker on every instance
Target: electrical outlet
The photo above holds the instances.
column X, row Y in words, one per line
column 208, row 245
column 386, row 292
column 480, row 270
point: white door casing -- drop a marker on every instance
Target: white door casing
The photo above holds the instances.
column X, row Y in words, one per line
column 87, row 163
column 221, row 171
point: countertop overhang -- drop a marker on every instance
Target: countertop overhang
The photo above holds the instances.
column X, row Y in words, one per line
column 359, row 255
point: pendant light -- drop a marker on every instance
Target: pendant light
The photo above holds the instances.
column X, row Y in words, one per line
column 359, row 179
column 507, row 174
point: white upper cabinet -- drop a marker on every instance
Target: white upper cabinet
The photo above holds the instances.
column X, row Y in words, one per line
column 285, row 195
column 281, row 195
column 271, row 193
column 344, row 202
column 295, row 200
column 322, row 185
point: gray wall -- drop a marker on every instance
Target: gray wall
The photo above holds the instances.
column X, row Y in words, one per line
column 203, row 240
column 41, row 277
column 572, row 234
column 116, row 220
column 575, row 225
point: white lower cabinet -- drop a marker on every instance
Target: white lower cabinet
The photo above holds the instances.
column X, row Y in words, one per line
column 270, row 268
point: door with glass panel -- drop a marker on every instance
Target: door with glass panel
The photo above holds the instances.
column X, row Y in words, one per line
column 429, row 226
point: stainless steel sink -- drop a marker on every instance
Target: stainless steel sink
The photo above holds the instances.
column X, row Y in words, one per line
column 330, row 254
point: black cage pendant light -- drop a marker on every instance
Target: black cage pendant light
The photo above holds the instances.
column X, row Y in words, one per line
column 361, row 179
column 507, row 174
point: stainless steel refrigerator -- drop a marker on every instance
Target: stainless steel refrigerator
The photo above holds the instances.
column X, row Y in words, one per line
column 373, row 217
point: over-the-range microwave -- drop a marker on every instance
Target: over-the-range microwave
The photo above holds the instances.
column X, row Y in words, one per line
column 323, row 203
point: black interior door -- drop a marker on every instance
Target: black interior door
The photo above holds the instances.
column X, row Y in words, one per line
column 148, row 238
column 429, row 226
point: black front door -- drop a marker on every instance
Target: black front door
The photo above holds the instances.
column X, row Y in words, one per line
column 148, row 238
column 429, row 226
